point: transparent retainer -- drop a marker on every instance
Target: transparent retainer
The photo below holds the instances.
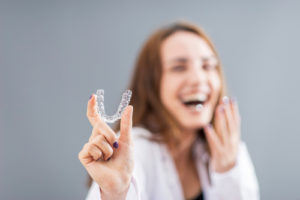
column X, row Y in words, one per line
column 123, row 104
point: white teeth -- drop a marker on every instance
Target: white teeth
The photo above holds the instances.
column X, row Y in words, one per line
column 195, row 97
column 199, row 107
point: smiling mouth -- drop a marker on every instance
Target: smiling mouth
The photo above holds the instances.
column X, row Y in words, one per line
column 195, row 102
column 195, row 105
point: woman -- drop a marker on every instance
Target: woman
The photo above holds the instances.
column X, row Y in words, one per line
column 185, row 143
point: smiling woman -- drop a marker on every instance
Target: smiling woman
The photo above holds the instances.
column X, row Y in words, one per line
column 190, row 78
column 185, row 143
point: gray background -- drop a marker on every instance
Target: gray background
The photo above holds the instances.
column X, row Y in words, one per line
column 54, row 54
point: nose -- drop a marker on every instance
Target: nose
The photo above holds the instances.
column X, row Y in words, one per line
column 197, row 75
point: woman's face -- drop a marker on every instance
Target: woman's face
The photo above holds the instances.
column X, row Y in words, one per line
column 190, row 84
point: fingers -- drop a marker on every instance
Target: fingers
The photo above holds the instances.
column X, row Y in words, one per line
column 212, row 139
column 96, row 149
column 220, row 124
column 230, row 123
column 126, row 125
column 101, row 128
column 101, row 143
column 227, row 120
column 91, row 112
column 236, row 119
column 235, row 111
column 89, row 153
column 232, row 118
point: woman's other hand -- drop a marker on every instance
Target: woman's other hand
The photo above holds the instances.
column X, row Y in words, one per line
column 224, row 137
column 109, row 162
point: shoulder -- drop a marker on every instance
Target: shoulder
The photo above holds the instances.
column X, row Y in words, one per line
column 144, row 147
column 142, row 139
column 138, row 132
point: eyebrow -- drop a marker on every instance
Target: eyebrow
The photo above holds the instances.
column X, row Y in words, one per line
column 184, row 59
column 180, row 59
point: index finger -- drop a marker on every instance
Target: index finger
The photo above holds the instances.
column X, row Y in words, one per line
column 91, row 112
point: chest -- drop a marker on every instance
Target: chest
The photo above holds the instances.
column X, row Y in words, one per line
column 173, row 183
column 189, row 181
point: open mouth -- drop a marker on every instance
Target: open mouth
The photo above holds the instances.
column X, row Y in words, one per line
column 195, row 102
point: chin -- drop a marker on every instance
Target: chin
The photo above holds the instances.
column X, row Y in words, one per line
column 195, row 125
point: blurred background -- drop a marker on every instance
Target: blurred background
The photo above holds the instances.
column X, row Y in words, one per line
column 54, row 54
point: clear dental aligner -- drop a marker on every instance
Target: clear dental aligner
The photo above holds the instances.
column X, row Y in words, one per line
column 123, row 104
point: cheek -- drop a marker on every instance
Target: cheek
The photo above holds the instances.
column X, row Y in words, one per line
column 165, row 90
column 216, row 84
column 168, row 90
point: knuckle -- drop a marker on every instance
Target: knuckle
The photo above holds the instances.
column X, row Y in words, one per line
column 111, row 137
column 110, row 151
column 89, row 147
column 97, row 155
column 99, row 139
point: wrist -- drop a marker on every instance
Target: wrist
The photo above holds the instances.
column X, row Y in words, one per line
column 121, row 195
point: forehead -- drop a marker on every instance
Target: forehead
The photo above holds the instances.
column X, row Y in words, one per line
column 185, row 44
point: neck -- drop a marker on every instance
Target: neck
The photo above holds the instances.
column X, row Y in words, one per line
column 182, row 152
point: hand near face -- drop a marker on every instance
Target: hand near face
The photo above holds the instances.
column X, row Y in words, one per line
column 224, row 137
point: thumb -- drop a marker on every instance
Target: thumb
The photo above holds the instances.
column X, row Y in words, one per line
column 126, row 125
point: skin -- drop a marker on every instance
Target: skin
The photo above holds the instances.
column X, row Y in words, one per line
column 112, row 167
column 189, row 68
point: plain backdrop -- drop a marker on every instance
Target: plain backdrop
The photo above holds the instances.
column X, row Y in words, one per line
column 54, row 54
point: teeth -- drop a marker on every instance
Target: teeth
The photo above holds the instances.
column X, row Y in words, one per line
column 199, row 107
column 196, row 97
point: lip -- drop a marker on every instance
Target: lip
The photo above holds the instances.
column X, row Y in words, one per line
column 192, row 108
column 194, row 97
column 182, row 98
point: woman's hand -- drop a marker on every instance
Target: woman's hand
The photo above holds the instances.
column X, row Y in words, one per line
column 224, row 137
column 109, row 162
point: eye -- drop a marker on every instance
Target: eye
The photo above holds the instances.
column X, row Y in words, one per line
column 178, row 68
column 209, row 67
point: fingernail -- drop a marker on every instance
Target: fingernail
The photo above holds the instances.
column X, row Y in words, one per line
column 108, row 158
column 209, row 126
column 116, row 144
column 233, row 100
column 225, row 100
column 90, row 97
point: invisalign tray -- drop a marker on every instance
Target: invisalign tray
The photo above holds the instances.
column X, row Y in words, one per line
column 123, row 104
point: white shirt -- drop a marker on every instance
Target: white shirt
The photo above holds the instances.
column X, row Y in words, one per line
column 155, row 176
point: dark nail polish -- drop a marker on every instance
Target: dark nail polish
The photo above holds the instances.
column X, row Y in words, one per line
column 90, row 97
column 209, row 126
column 116, row 144
column 108, row 158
